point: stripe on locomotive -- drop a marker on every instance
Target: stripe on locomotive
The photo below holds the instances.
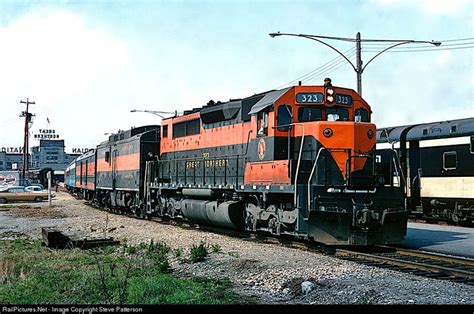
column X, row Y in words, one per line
column 120, row 163
column 235, row 134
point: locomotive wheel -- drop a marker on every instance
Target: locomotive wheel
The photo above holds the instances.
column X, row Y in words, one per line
column 454, row 218
column 274, row 225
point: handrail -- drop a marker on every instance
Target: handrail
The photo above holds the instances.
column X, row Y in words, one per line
column 311, row 176
column 299, row 158
column 248, row 141
column 399, row 167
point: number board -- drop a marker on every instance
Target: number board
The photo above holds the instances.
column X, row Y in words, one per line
column 342, row 99
column 309, row 98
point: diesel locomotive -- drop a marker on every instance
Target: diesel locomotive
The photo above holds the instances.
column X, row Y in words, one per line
column 437, row 160
column 298, row 161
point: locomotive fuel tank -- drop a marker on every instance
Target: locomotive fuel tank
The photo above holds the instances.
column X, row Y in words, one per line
column 228, row 214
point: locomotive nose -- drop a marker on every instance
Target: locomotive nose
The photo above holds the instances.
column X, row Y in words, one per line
column 349, row 143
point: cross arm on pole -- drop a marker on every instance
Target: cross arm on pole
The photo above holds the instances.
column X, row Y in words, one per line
column 318, row 40
column 435, row 43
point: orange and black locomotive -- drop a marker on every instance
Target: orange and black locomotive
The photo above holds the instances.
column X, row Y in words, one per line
column 297, row 161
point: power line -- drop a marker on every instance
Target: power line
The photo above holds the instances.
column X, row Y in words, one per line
column 459, row 39
column 433, row 49
column 442, row 41
column 419, row 47
column 320, row 68
column 333, row 70
column 315, row 70
column 324, row 71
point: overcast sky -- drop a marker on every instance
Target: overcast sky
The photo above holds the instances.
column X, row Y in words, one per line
column 86, row 64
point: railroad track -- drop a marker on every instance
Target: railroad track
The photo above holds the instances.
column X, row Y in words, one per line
column 420, row 263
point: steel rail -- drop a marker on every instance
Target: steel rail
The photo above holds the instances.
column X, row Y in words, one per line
column 455, row 260
column 403, row 263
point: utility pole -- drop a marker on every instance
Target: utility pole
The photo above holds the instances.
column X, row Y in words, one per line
column 359, row 64
column 27, row 115
column 358, row 68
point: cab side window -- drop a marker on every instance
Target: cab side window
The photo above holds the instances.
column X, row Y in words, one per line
column 262, row 123
column 284, row 117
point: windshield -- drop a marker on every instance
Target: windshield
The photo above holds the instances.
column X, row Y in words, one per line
column 310, row 114
column 337, row 114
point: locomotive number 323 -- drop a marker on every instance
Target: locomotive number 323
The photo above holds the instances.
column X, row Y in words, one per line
column 309, row 97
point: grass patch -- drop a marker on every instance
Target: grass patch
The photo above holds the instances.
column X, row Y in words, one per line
column 32, row 274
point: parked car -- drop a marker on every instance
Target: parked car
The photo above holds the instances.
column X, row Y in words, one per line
column 19, row 193
column 33, row 188
column 38, row 185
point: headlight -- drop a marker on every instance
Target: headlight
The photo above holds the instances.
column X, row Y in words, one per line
column 329, row 98
column 330, row 91
column 370, row 133
column 327, row 132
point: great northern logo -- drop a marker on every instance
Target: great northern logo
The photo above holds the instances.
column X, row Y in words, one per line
column 261, row 149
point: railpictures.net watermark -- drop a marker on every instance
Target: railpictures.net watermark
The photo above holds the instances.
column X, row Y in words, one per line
column 69, row 309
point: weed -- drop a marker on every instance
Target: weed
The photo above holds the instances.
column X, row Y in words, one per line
column 234, row 254
column 198, row 252
column 216, row 248
column 178, row 252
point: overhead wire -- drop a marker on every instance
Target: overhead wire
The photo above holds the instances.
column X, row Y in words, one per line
column 423, row 46
column 336, row 63
column 315, row 79
column 327, row 71
column 463, row 43
column 421, row 49
column 323, row 67
column 442, row 41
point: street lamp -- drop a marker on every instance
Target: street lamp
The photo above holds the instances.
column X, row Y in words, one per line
column 158, row 113
column 359, row 69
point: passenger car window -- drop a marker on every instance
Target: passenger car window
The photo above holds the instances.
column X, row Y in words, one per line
column 307, row 114
column 450, row 160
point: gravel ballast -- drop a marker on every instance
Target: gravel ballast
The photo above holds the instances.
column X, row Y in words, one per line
column 267, row 273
